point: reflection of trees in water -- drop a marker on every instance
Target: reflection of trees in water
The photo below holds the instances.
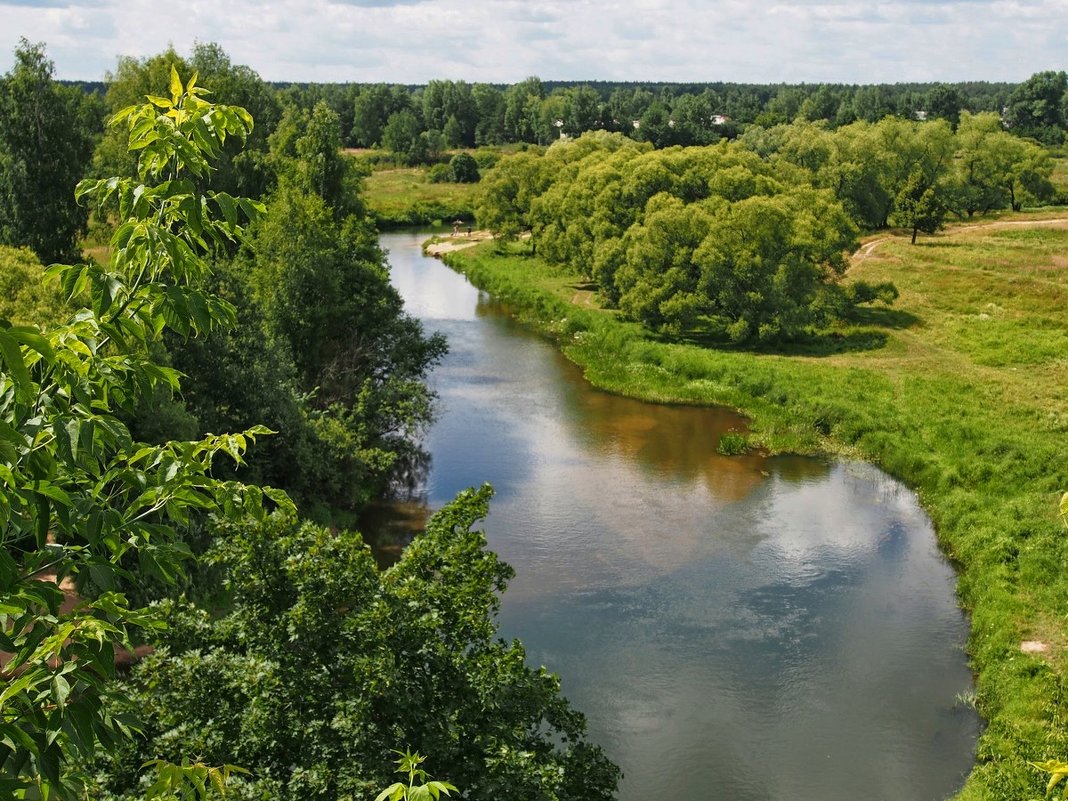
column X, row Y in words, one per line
column 410, row 475
column 489, row 306
column 673, row 442
column 389, row 525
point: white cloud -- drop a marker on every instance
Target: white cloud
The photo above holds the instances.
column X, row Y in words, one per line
column 411, row 41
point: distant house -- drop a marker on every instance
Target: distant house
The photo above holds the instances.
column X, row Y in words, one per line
column 719, row 119
column 636, row 123
column 920, row 115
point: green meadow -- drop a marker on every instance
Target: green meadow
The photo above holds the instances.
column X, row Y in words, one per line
column 405, row 196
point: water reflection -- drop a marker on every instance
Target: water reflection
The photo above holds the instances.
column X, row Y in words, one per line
column 735, row 628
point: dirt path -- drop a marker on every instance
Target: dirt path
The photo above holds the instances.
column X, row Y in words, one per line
column 867, row 250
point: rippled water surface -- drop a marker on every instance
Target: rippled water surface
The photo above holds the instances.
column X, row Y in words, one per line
column 734, row 628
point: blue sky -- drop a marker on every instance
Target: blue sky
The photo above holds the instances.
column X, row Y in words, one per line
column 411, row 41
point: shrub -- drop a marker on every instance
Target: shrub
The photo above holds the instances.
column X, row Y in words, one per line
column 465, row 168
column 441, row 174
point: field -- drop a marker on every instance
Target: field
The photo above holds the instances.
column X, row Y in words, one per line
column 960, row 389
column 404, row 196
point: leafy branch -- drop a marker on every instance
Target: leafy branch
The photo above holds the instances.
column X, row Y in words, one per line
column 79, row 497
column 425, row 790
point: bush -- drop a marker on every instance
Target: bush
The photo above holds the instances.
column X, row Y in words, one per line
column 465, row 168
column 486, row 158
column 441, row 174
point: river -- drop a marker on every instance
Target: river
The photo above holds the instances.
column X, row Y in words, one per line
column 735, row 628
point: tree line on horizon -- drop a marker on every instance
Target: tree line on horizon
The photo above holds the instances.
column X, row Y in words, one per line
column 420, row 121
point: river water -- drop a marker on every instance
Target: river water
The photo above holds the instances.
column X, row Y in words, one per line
column 744, row 628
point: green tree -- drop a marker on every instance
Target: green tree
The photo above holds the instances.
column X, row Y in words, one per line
column 944, row 102
column 918, row 205
column 985, row 154
column 693, row 119
column 489, row 108
column 453, row 133
column 241, row 167
column 445, row 101
column 464, row 169
column 319, row 166
column 365, row 660
column 403, row 135
column 655, row 126
column 871, row 103
column 373, row 107
column 28, row 296
column 507, row 192
column 81, row 500
column 322, row 287
column 46, row 141
column 1036, row 107
column 583, row 112
column 766, row 261
column 522, row 107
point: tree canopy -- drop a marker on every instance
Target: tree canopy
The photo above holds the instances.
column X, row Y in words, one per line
column 47, row 133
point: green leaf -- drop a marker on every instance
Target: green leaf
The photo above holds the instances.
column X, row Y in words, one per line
column 391, row 792
column 12, row 356
column 60, row 690
column 176, row 85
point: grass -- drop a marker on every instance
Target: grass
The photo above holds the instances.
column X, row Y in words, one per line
column 403, row 196
column 963, row 395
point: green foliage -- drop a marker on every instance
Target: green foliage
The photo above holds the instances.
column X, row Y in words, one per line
column 373, row 107
column 425, row 790
column 403, row 135
column 464, row 168
column 1036, row 107
column 507, row 193
column 918, row 206
column 733, row 444
column 1058, row 772
column 189, row 781
column 306, row 152
column 322, row 288
column 314, row 631
column 681, row 237
column 82, row 500
column 441, row 174
column 241, row 167
column 46, row 139
column 27, row 295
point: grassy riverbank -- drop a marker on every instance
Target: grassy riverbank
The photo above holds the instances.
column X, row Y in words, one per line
column 960, row 390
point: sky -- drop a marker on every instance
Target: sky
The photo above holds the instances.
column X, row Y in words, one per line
column 504, row 41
